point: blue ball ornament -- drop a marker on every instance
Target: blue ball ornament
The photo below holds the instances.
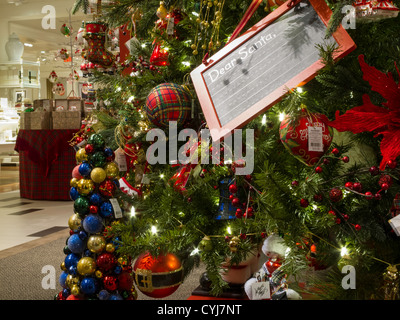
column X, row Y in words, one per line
column 95, row 199
column 71, row 260
column 73, row 270
column 82, row 235
column 62, row 278
column 93, row 223
column 75, row 244
column 73, row 193
column 115, row 296
column 104, row 295
column 66, row 292
column 106, row 210
column 87, row 253
column 117, row 269
column 116, row 182
column 108, row 152
column 84, row 169
column 88, row 285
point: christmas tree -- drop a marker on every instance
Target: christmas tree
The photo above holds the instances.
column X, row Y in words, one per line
column 319, row 214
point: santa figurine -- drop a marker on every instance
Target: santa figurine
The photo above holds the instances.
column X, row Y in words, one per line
column 269, row 282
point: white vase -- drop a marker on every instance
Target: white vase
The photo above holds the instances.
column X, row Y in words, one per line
column 14, row 48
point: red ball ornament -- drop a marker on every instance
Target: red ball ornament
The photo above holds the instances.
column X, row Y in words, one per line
column 335, row 151
column 249, row 212
column 318, row 169
column 345, row 159
column 158, row 277
column 385, row 181
column 239, row 213
column 357, row 186
column 107, row 188
column 392, row 164
column 106, row 262
column 369, row 195
column 357, row 227
column 236, row 202
column 125, row 281
column 93, row 209
column 335, row 194
column 349, row 185
column 294, row 134
column 110, row 282
column 89, row 148
column 304, row 203
column 232, row 188
column 374, row 171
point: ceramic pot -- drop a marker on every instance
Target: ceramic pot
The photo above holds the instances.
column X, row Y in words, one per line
column 14, row 48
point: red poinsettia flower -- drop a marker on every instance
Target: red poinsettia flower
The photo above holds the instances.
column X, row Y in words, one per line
column 383, row 120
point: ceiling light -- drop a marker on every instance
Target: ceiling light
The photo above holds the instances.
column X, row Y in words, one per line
column 16, row 2
column 28, row 45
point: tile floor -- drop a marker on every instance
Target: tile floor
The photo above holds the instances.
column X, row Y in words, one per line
column 24, row 220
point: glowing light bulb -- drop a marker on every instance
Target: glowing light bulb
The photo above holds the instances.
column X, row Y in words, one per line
column 153, row 229
column 133, row 212
column 229, row 230
column 299, row 89
column 264, row 120
column 344, row 251
column 195, row 251
column 281, row 116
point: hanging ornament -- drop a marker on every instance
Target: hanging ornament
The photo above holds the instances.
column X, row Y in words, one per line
column 307, row 137
column 380, row 120
column 168, row 102
column 375, row 10
column 158, row 277
column 207, row 27
column 96, row 38
column 159, row 57
column 58, row 89
column 66, row 30
column 73, row 76
column 53, row 76
column 390, row 288
column 63, row 54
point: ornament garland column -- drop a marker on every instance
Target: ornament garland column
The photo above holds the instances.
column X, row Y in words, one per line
column 92, row 268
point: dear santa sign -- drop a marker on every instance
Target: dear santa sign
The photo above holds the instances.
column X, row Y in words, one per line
column 254, row 71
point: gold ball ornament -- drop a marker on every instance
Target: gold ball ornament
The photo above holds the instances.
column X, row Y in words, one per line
column 75, row 290
column 98, row 175
column 233, row 244
column 96, row 243
column 81, row 155
column 86, row 266
column 162, row 11
column 111, row 170
column 110, row 247
column 73, row 182
column 62, row 266
column 74, row 222
column 98, row 274
column 71, row 281
column 85, row 186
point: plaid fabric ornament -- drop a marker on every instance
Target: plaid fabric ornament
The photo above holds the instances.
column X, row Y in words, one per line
column 168, row 102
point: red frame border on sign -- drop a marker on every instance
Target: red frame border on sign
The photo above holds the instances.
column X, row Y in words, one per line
column 346, row 45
